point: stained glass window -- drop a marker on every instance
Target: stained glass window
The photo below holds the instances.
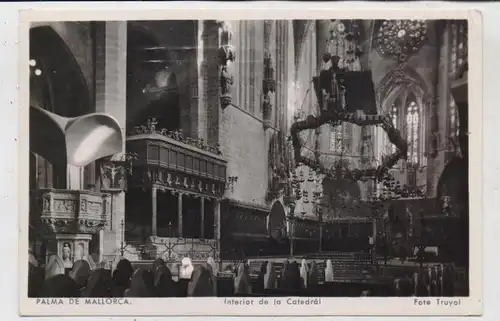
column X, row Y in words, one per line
column 458, row 37
column 412, row 131
column 453, row 120
column 400, row 38
column 458, row 45
column 394, row 114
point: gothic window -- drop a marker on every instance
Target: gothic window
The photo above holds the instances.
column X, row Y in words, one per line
column 458, row 37
column 413, row 131
column 458, row 45
column 453, row 118
column 394, row 114
column 406, row 116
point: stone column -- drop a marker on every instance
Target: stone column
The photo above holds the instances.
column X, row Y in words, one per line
column 268, row 83
column 154, row 204
column 217, row 222
column 202, row 212
column 199, row 85
column 374, row 239
column 110, row 98
column 322, row 36
column 179, row 213
column 74, row 177
column 439, row 116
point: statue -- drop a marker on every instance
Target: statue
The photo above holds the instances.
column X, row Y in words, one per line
column 352, row 54
column 226, row 56
column 226, row 80
column 66, row 253
column 446, row 205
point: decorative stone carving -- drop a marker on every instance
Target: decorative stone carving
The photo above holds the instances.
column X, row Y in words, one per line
column 268, row 86
column 177, row 135
column 227, row 55
column 279, row 169
column 66, row 252
column 113, row 176
column 73, row 212
column 170, row 163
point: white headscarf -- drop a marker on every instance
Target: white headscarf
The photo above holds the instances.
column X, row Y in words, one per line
column 329, row 271
column 186, row 268
column 304, row 273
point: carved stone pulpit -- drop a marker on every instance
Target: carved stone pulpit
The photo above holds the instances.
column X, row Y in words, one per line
column 67, row 220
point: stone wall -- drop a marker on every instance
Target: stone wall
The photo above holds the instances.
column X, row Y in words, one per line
column 244, row 146
column 244, row 141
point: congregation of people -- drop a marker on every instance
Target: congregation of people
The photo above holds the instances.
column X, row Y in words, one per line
column 204, row 280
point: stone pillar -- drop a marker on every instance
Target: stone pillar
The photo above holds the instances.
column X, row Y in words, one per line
column 374, row 240
column 439, row 116
column 110, row 98
column 154, row 204
column 202, row 212
column 111, row 69
column 269, row 82
column 74, row 177
column 217, row 222
column 179, row 213
column 221, row 75
column 322, row 36
column 199, row 85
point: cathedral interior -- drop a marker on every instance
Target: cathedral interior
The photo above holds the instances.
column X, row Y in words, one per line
column 250, row 140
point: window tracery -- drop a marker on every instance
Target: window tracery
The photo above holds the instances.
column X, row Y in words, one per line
column 453, row 118
column 413, row 131
column 401, row 38
column 458, row 45
column 458, row 38
column 394, row 115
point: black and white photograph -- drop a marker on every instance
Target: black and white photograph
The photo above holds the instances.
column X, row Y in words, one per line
column 246, row 159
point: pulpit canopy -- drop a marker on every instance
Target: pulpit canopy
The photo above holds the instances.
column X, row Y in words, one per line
column 74, row 141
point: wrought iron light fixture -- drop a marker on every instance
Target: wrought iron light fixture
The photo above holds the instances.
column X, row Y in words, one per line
column 231, row 180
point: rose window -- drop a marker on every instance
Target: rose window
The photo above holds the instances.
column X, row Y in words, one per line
column 401, row 38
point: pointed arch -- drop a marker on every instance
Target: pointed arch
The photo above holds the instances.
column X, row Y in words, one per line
column 453, row 186
column 59, row 84
column 403, row 96
column 301, row 29
column 152, row 80
column 398, row 80
column 277, row 220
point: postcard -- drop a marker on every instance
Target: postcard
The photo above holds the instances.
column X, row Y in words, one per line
column 262, row 162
